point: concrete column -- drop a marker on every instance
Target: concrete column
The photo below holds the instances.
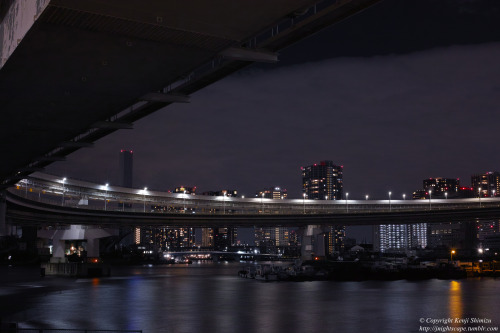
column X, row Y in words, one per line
column 92, row 247
column 58, row 247
column 312, row 242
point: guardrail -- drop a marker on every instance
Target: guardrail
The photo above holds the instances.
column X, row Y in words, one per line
column 90, row 196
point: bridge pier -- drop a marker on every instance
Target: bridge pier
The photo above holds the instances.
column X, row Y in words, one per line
column 313, row 242
column 75, row 233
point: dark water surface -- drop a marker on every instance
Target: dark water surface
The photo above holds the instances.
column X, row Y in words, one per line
column 212, row 298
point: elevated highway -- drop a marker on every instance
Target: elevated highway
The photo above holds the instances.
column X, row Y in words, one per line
column 72, row 72
column 49, row 200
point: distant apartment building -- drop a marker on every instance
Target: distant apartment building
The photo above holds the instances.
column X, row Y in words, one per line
column 441, row 187
column 399, row 238
column 173, row 239
column 456, row 235
column 185, row 189
column 272, row 236
column 224, row 238
column 486, row 184
column 275, row 192
column 322, row 181
column 220, row 193
column 220, row 238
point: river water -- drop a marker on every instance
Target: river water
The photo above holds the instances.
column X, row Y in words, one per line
column 210, row 297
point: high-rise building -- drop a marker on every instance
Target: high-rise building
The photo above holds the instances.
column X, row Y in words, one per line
column 224, row 238
column 441, row 187
column 336, row 238
column 400, row 237
column 207, row 237
column 322, row 181
column 488, row 184
column 272, row 236
column 178, row 238
column 126, row 168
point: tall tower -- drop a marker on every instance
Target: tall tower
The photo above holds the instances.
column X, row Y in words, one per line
column 126, row 163
column 322, row 181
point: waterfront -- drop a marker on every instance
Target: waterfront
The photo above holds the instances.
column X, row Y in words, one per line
column 211, row 297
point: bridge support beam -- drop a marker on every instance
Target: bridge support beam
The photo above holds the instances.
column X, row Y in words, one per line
column 313, row 243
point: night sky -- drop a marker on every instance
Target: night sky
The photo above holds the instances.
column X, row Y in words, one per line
column 403, row 91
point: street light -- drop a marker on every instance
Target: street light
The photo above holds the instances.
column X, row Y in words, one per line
column 106, row 196
column 451, row 254
column 262, row 201
column 64, row 179
column 430, row 199
column 144, row 192
column 390, row 207
column 184, row 200
column 304, row 200
column 346, row 203
column 446, row 195
column 404, row 196
column 224, row 202
column 479, row 195
column 366, row 197
column 493, row 193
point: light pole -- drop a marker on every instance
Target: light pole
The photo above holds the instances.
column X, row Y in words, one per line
column 430, row 199
column 404, row 196
column 479, row 195
column 346, row 202
column 64, row 179
column 366, row 197
column 390, row 207
column 446, row 195
column 106, row 196
column 451, row 254
column 304, row 201
column 224, row 202
column 144, row 192
column 493, row 193
column 262, row 202
column 184, row 201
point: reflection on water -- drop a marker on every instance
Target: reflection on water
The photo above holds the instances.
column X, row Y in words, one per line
column 212, row 298
column 455, row 303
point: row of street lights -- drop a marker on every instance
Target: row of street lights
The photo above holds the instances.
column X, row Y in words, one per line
column 262, row 198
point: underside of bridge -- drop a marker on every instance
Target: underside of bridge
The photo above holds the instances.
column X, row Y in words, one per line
column 72, row 72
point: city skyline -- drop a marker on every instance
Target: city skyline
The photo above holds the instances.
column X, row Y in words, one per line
column 392, row 116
